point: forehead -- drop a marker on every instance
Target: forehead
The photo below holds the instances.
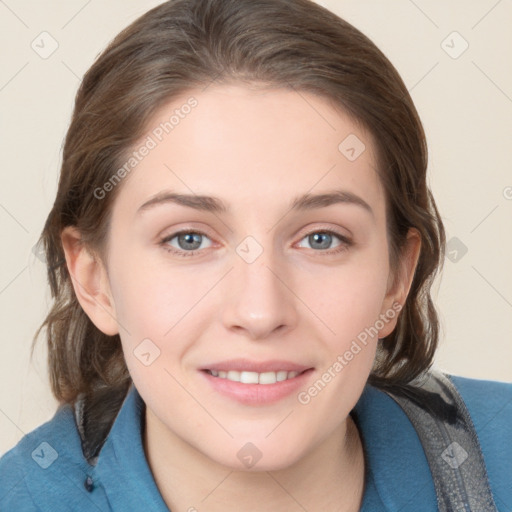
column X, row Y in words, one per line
column 251, row 146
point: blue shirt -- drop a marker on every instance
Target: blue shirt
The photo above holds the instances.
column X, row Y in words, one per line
column 46, row 470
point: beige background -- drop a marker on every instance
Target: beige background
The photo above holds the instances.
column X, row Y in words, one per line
column 465, row 104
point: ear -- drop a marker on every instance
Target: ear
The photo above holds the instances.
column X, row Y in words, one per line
column 90, row 282
column 400, row 282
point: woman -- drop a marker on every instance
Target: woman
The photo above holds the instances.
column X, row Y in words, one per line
column 241, row 252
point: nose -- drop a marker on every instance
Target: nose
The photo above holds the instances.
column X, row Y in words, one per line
column 259, row 299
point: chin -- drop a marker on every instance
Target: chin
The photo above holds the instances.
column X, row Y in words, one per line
column 255, row 456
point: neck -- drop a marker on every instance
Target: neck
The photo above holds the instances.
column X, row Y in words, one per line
column 329, row 478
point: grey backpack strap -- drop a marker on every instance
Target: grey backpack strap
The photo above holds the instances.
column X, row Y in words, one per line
column 446, row 431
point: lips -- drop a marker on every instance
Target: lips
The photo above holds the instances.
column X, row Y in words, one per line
column 256, row 382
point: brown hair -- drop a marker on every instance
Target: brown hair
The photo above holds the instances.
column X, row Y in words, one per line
column 183, row 44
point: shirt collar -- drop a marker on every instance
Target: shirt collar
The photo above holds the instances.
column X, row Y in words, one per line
column 122, row 469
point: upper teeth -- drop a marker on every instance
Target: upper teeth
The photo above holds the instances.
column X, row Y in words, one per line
column 254, row 377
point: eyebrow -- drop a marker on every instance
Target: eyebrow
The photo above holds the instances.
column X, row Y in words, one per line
column 215, row 205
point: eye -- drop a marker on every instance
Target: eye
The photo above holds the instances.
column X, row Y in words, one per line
column 188, row 242
column 322, row 239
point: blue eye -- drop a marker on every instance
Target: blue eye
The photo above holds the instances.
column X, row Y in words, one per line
column 323, row 240
column 189, row 242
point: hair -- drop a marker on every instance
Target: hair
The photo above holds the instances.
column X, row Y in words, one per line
column 184, row 44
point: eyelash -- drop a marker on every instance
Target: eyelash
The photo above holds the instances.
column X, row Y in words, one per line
column 345, row 242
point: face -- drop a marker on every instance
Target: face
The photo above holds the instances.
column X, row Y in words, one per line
column 249, row 322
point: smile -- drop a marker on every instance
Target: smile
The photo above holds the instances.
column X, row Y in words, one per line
column 256, row 384
column 246, row 377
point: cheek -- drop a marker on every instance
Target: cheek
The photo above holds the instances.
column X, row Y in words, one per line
column 349, row 298
column 150, row 296
column 164, row 309
column 351, row 307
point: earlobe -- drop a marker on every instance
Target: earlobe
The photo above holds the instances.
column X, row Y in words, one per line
column 90, row 282
column 397, row 295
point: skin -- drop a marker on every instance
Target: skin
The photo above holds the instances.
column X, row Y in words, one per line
column 256, row 150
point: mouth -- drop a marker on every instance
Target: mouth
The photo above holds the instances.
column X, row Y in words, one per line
column 256, row 383
column 246, row 377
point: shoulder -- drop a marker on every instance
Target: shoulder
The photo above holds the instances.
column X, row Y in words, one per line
column 395, row 449
column 44, row 466
column 489, row 404
column 487, row 401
